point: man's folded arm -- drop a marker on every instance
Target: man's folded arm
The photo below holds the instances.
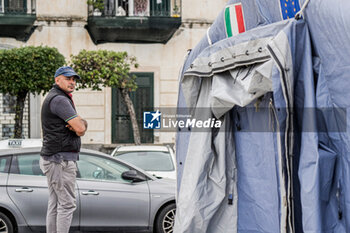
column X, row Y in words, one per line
column 78, row 125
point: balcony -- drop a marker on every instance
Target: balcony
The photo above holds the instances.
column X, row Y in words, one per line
column 17, row 18
column 133, row 21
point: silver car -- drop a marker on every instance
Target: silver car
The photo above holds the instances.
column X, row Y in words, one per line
column 112, row 196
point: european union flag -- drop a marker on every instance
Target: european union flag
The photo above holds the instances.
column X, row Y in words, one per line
column 289, row 8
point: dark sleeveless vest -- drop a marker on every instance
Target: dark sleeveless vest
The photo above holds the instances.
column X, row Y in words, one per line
column 56, row 136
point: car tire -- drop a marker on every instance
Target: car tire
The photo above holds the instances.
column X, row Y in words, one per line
column 166, row 219
column 5, row 224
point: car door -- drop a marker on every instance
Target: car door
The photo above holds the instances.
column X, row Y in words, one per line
column 4, row 168
column 27, row 188
column 108, row 202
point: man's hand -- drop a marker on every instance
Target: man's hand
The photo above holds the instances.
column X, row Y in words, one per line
column 70, row 127
column 85, row 123
column 77, row 125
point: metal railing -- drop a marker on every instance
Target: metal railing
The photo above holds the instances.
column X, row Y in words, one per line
column 17, row 7
column 135, row 8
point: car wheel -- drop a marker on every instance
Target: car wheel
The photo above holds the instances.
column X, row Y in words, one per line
column 166, row 219
column 5, row 224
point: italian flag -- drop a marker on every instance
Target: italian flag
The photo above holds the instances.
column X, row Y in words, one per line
column 234, row 19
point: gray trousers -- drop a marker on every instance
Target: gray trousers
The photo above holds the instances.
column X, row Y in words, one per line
column 62, row 203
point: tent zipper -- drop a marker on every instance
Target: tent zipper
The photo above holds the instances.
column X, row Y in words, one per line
column 288, row 140
column 282, row 191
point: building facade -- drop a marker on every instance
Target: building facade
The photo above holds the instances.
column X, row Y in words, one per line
column 157, row 32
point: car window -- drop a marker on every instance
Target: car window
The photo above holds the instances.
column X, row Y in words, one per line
column 148, row 160
column 98, row 168
column 4, row 164
column 27, row 164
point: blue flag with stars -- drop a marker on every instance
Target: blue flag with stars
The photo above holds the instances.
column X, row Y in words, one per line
column 289, row 8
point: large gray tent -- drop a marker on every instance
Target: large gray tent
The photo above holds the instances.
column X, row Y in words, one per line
column 280, row 161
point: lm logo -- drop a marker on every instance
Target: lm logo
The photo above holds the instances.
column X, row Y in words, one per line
column 151, row 120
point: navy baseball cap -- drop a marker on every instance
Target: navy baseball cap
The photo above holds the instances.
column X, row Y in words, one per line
column 66, row 71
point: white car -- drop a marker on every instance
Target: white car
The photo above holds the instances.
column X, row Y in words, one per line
column 157, row 160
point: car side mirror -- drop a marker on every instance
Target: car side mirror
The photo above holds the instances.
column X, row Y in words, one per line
column 133, row 175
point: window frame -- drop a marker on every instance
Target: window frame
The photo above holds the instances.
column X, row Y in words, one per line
column 147, row 178
column 147, row 133
column 8, row 163
column 136, row 153
column 15, row 168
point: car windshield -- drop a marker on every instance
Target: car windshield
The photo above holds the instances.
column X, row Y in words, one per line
column 148, row 160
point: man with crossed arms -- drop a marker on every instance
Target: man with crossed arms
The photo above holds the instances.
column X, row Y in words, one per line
column 62, row 128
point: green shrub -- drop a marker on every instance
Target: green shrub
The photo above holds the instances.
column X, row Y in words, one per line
column 104, row 68
column 27, row 70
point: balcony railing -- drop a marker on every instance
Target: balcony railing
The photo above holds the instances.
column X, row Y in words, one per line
column 16, row 7
column 136, row 8
column 17, row 18
column 133, row 21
